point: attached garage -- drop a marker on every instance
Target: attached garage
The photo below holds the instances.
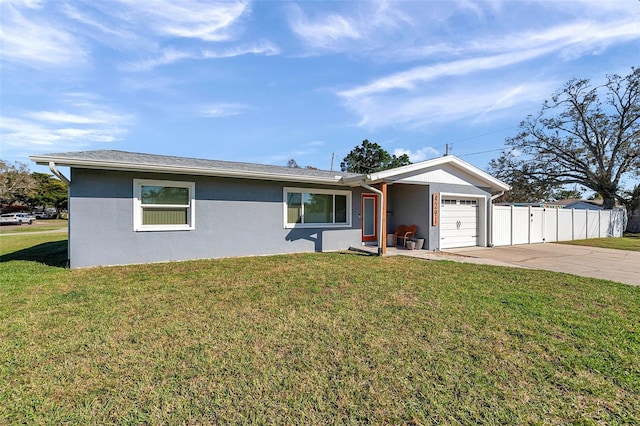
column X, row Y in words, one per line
column 447, row 200
column 459, row 223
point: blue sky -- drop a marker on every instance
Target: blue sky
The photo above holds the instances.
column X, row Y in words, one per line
column 267, row 81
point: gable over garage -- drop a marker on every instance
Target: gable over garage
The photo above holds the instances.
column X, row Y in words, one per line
column 448, row 198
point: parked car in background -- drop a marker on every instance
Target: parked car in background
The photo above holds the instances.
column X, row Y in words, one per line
column 16, row 219
column 44, row 215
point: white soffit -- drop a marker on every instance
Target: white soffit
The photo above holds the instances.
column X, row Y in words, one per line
column 446, row 174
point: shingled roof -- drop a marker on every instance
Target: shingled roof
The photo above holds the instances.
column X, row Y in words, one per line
column 131, row 161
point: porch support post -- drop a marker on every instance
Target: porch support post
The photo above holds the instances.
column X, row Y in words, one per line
column 383, row 212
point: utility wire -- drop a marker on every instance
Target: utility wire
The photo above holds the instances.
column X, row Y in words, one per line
column 479, row 136
column 482, row 152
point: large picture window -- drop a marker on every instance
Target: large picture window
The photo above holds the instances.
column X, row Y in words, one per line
column 316, row 207
column 161, row 205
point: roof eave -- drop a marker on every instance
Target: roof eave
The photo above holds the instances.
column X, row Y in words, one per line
column 387, row 175
column 151, row 168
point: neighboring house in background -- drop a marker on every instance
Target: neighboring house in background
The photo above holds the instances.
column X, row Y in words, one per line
column 561, row 204
column 578, row 204
column 129, row 208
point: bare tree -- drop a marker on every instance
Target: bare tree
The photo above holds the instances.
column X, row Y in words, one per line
column 586, row 135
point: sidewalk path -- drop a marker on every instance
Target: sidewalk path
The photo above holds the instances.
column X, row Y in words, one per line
column 51, row 231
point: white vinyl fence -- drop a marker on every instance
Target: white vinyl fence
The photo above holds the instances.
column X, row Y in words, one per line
column 527, row 225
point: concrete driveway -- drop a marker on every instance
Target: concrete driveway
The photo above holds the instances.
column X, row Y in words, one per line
column 615, row 265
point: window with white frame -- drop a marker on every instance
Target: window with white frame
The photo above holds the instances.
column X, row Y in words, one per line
column 316, row 207
column 161, row 205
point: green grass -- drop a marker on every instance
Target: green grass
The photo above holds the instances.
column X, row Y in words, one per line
column 313, row 339
column 629, row 242
column 49, row 249
column 37, row 226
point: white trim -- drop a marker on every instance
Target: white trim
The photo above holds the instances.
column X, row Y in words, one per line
column 381, row 212
column 374, row 225
column 288, row 189
column 435, row 163
column 137, row 205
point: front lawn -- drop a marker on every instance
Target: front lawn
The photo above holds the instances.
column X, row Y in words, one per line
column 627, row 242
column 333, row 338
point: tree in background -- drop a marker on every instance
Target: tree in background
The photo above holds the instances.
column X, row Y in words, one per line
column 525, row 188
column 31, row 190
column 567, row 194
column 50, row 192
column 631, row 202
column 16, row 183
column 370, row 157
column 586, row 135
column 293, row 164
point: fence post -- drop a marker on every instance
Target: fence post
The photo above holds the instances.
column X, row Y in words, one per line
column 544, row 225
column 557, row 223
column 511, row 225
column 586, row 223
column 530, row 220
column 599, row 223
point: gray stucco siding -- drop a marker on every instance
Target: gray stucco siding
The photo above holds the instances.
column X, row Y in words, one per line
column 233, row 217
column 411, row 204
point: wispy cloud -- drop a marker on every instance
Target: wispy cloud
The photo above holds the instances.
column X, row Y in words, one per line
column 104, row 28
column 65, row 117
column 204, row 20
column 71, row 128
column 520, row 48
column 409, row 79
column 324, row 32
column 363, row 29
column 583, row 37
column 63, row 34
column 304, row 150
column 31, row 135
column 35, row 41
column 166, row 56
column 418, row 155
column 218, row 110
column 264, row 48
column 427, row 94
column 171, row 55
column 436, row 104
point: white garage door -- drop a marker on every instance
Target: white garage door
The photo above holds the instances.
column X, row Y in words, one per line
column 458, row 222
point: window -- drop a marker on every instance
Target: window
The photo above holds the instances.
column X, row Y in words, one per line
column 161, row 205
column 461, row 202
column 313, row 207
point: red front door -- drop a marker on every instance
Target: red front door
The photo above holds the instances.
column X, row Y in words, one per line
column 369, row 217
